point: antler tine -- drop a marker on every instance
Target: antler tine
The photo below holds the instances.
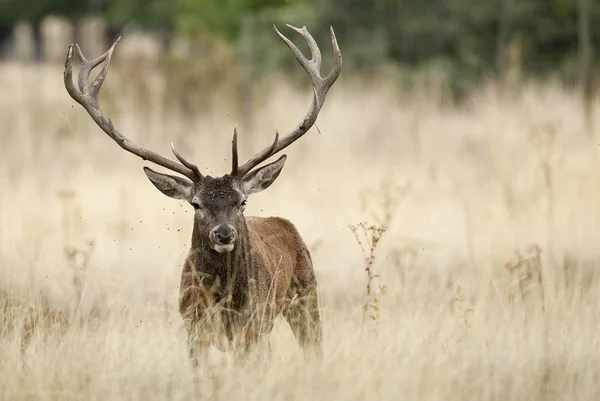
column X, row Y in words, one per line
column 186, row 163
column 312, row 66
column 87, row 96
column 256, row 160
column 234, row 153
column 321, row 86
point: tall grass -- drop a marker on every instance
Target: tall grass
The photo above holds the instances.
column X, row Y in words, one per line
column 459, row 191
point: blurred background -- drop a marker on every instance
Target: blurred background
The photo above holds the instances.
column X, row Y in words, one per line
column 457, row 44
column 450, row 197
column 453, row 121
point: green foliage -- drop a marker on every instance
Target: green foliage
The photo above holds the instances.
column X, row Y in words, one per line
column 465, row 32
column 222, row 17
column 35, row 10
column 464, row 35
column 150, row 14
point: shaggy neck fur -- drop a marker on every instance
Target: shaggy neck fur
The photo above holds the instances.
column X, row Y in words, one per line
column 227, row 272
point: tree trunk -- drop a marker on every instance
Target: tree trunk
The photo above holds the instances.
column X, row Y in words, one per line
column 502, row 39
column 585, row 64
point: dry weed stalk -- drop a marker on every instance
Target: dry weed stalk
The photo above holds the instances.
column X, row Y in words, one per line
column 42, row 317
column 526, row 272
column 381, row 204
column 11, row 307
column 463, row 307
column 79, row 259
column 544, row 142
column 368, row 237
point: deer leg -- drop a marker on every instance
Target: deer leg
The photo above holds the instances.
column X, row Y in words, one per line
column 305, row 321
column 194, row 302
column 254, row 338
column 247, row 341
column 253, row 349
column 198, row 344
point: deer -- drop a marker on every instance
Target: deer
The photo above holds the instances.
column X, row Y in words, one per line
column 241, row 272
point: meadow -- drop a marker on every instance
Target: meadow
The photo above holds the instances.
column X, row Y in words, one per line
column 480, row 243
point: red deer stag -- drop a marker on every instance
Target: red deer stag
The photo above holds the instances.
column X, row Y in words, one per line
column 252, row 268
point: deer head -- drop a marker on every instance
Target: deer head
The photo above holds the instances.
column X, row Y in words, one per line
column 219, row 202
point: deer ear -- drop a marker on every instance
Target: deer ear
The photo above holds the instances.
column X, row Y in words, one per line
column 170, row 185
column 261, row 178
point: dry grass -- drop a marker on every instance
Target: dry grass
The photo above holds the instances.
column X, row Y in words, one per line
column 462, row 317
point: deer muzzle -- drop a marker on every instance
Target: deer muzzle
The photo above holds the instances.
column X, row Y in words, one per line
column 223, row 237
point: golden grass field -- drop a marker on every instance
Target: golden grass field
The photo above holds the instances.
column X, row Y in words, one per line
column 456, row 313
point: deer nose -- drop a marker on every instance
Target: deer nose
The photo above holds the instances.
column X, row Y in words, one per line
column 223, row 234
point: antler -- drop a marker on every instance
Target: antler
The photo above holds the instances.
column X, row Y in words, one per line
column 320, row 86
column 87, row 96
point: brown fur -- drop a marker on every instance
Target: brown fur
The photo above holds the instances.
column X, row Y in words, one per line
column 217, row 290
column 248, row 270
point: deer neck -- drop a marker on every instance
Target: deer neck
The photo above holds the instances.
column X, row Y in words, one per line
column 229, row 272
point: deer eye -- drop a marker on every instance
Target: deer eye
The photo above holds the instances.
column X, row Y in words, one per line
column 243, row 204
